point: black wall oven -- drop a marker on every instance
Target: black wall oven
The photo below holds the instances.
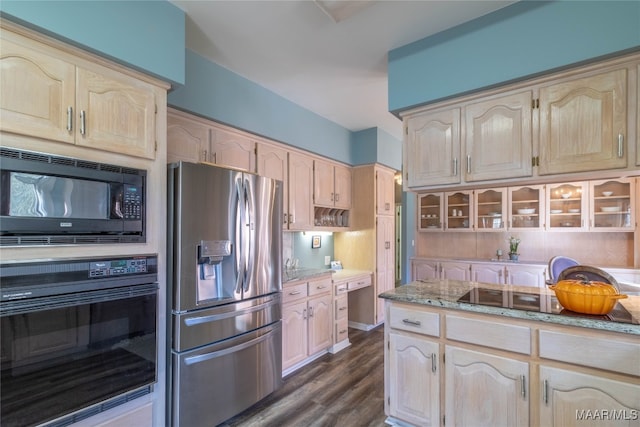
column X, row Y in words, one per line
column 52, row 200
column 78, row 336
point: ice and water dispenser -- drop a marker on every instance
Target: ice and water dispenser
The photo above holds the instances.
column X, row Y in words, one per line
column 211, row 255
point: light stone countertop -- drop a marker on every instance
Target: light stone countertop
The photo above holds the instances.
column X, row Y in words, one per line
column 445, row 294
column 299, row 274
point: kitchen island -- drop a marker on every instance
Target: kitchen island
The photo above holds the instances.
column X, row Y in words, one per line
column 469, row 353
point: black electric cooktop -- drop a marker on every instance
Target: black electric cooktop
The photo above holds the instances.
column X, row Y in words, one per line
column 540, row 303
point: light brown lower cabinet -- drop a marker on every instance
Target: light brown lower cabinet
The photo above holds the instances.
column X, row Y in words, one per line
column 448, row 367
column 307, row 320
column 414, row 395
column 485, row 390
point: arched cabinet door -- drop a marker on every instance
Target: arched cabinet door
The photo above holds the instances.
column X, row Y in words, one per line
column 38, row 91
column 498, row 138
column 571, row 398
column 583, row 124
column 432, row 148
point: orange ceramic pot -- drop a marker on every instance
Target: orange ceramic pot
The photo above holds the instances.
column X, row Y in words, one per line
column 588, row 297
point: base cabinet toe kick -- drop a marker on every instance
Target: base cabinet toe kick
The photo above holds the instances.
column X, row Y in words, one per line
column 451, row 367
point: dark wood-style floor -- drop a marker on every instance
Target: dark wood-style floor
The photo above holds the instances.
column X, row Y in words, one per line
column 343, row 389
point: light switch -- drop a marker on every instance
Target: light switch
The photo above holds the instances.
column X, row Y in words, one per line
column 327, row 260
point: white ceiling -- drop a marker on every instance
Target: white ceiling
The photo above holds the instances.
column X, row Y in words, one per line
column 329, row 57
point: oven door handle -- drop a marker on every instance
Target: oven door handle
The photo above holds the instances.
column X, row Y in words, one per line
column 191, row 360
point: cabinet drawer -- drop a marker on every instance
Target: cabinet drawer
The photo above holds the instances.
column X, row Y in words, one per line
column 363, row 282
column 489, row 334
column 417, row 321
column 595, row 352
column 340, row 288
column 342, row 330
column 294, row 292
column 320, row 286
column 341, row 307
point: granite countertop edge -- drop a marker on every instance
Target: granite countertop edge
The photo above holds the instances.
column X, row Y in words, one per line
column 301, row 274
column 445, row 293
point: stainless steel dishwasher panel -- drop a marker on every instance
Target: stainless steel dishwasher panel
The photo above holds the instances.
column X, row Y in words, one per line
column 218, row 381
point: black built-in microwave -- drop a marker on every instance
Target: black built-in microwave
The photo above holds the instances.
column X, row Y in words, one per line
column 48, row 200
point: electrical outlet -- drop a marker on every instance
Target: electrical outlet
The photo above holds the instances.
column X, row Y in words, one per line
column 327, row 260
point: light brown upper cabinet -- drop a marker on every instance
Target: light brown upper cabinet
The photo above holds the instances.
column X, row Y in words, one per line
column 385, row 191
column 46, row 95
column 232, row 149
column 432, row 148
column 582, row 121
column 583, row 124
column 332, row 185
column 295, row 170
column 498, row 138
column 187, row 138
column 300, row 192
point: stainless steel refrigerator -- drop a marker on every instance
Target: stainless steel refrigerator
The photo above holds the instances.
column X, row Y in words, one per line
column 224, row 292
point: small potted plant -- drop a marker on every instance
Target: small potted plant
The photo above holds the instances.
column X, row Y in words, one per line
column 513, row 248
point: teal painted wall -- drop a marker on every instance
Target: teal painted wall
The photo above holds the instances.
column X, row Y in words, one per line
column 389, row 150
column 147, row 35
column 375, row 145
column 365, row 146
column 312, row 258
column 217, row 93
column 520, row 40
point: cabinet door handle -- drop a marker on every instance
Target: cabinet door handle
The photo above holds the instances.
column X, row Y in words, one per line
column 411, row 322
column 285, row 218
column 332, row 197
column 294, row 293
column 433, row 362
column 468, row 163
column 455, row 166
column 342, row 308
column 620, row 145
column 321, row 286
column 310, row 311
column 291, row 219
column 304, row 313
column 523, row 386
column 387, row 206
column 545, row 393
column 337, row 197
column 342, row 332
column 70, row 119
column 204, row 155
column 83, row 123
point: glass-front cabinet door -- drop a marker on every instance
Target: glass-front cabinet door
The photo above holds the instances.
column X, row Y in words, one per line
column 612, row 205
column 458, row 209
column 430, row 209
column 526, row 207
column 490, row 209
column 567, row 206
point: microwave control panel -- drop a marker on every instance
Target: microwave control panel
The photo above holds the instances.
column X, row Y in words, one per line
column 117, row 267
column 132, row 202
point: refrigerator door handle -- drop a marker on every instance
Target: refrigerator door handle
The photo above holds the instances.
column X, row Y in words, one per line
column 239, row 244
column 207, row 356
column 250, row 230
